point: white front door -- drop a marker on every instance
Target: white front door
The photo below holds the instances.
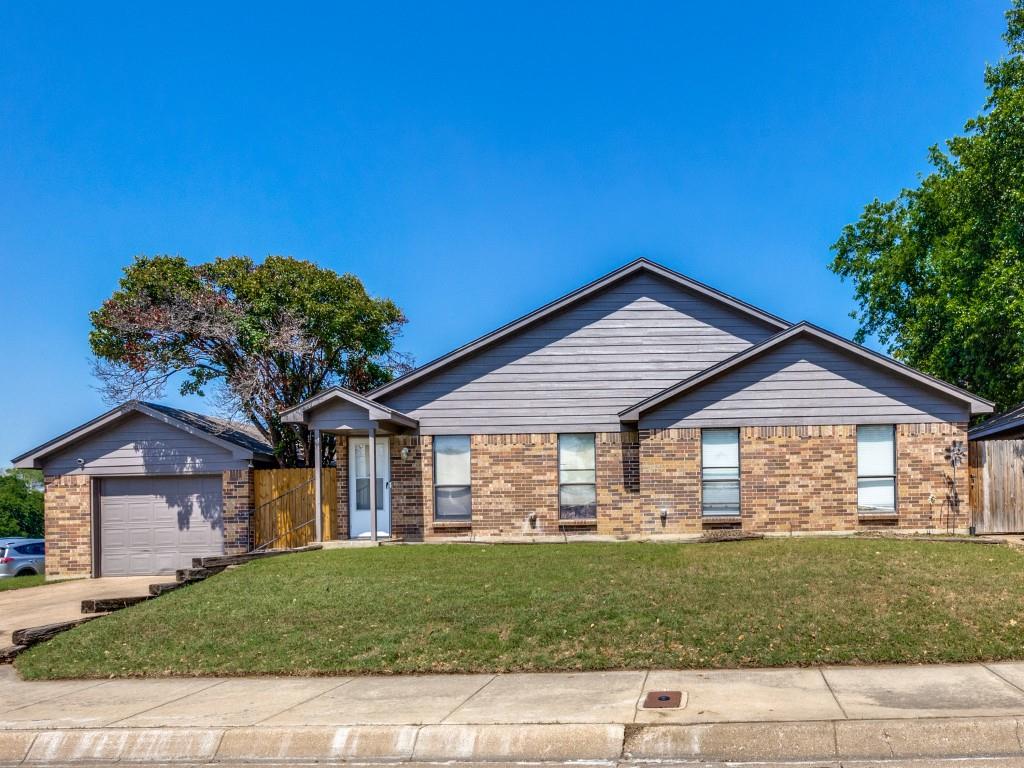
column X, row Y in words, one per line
column 359, row 487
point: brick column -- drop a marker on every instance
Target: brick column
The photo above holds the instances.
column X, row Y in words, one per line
column 341, row 461
column 68, row 525
column 619, row 511
column 408, row 489
column 239, row 497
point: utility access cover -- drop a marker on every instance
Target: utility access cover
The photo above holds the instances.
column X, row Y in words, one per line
column 663, row 700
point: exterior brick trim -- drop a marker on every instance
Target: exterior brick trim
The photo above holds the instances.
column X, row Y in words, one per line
column 68, row 515
column 238, row 493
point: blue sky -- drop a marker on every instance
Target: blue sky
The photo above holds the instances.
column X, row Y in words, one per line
column 470, row 160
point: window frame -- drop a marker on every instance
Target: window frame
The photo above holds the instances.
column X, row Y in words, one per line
column 593, row 438
column 437, row 487
column 704, row 512
column 895, row 470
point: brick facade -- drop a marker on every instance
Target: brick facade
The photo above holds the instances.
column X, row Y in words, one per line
column 68, row 516
column 924, row 481
column 239, row 497
column 669, row 481
column 798, row 479
column 793, row 479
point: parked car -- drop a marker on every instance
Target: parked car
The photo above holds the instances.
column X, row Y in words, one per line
column 21, row 557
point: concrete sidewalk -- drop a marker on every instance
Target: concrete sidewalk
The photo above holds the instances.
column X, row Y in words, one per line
column 971, row 710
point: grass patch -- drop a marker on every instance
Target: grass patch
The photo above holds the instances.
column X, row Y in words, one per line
column 460, row 608
column 20, row 582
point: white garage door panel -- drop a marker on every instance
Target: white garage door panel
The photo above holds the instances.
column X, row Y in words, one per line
column 158, row 524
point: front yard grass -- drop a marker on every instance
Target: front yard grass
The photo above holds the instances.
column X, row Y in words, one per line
column 20, row 582
column 463, row 608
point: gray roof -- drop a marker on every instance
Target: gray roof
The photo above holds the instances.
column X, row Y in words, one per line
column 241, row 439
column 1011, row 420
column 243, row 435
column 977, row 404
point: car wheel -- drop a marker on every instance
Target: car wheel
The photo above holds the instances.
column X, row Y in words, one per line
column 26, row 572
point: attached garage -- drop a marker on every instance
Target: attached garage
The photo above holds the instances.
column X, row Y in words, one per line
column 158, row 524
column 146, row 488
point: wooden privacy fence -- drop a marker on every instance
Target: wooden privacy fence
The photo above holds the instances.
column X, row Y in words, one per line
column 285, row 504
column 997, row 485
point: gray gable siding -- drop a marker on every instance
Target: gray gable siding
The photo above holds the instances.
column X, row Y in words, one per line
column 339, row 415
column 138, row 445
column 805, row 381
column 575, row 370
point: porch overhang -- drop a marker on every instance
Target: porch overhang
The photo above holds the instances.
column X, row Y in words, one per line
column 344, row 411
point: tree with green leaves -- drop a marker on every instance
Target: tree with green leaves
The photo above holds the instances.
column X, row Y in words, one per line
column 21, row 503
column 260, row 337
column 939, row 271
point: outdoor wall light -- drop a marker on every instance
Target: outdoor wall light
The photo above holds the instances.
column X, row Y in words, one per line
column 532, row 517
column 405, row 453
column 664, row 515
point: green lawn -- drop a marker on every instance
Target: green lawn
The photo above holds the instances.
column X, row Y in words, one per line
column 463, row 608
column 18, row 582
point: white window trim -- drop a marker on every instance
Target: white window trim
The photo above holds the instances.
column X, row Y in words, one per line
column 874, row 511
column 739, row 474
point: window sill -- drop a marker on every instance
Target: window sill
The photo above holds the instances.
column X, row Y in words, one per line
column 867, row 516
column 721, row 518
column 452, row 524
column 578, row 521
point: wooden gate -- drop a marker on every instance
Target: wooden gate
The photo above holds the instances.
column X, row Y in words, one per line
column 285, row 502
column 997, row 485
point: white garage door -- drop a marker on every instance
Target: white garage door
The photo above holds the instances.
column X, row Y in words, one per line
column 158, row 524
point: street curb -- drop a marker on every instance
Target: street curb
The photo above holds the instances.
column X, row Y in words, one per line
column 749, row 742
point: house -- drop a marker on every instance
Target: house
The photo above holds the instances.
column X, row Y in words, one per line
column 642, row 404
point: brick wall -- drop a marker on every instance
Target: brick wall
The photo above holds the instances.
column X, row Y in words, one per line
column 670, row 481
column 618, row 483
column 341, row 459
column 68, row 521
column 514, row 477
column 793, row 479
column 239, row 497
column 409, row 492
column 924, row 481
column 798, row 478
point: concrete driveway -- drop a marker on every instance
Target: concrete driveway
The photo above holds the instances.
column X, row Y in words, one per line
column 50, row 603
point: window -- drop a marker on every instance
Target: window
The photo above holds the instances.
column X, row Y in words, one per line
column 452, row 485
column 720, row 471
column 876, row 468
column 577, row 477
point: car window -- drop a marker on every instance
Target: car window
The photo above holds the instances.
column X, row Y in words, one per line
column 23, row 549
column 29, row 549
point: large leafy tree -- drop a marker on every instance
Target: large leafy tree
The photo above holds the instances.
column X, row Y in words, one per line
column 939, row 271
column 21, row 503
column 261, row 337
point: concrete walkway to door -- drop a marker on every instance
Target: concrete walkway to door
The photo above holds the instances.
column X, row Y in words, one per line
column 62, row 601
